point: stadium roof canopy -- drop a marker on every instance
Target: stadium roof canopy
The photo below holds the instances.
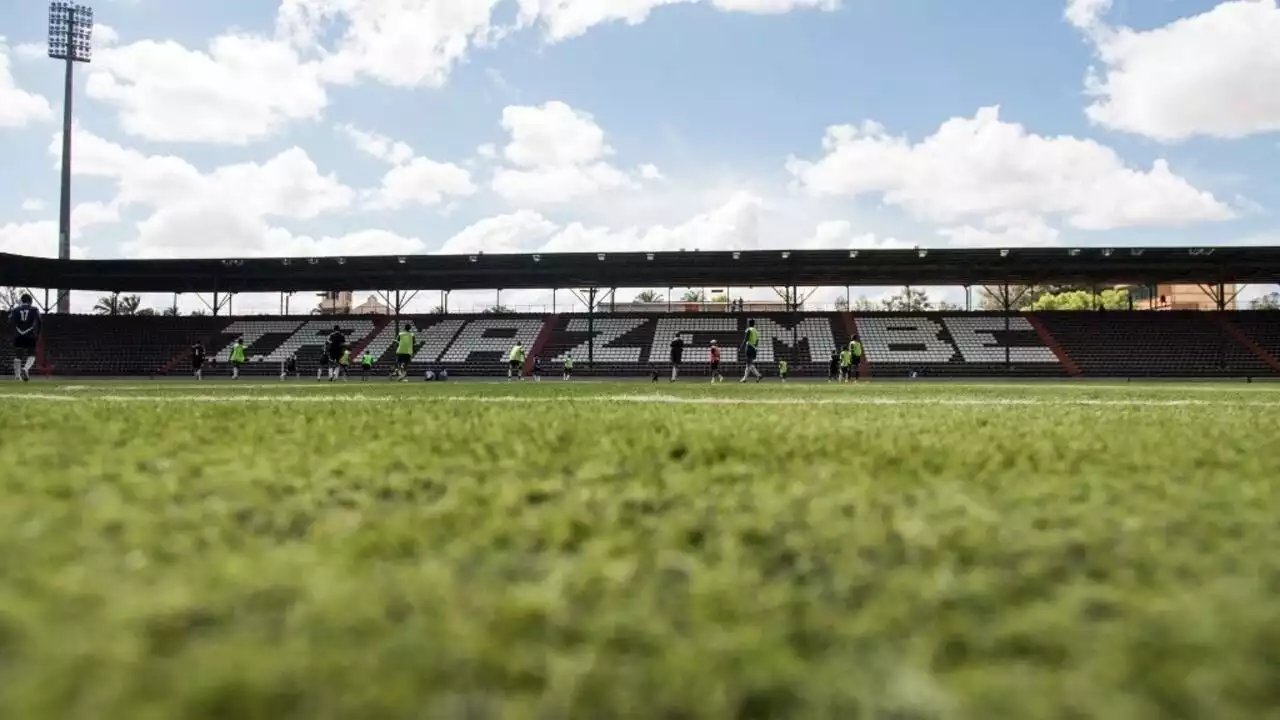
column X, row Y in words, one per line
column 1015, row 266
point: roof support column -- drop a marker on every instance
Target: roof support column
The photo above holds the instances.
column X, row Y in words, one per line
column 220, row 301
column 591, row 328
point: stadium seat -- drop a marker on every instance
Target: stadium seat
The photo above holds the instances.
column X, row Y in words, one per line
column 1096, row 344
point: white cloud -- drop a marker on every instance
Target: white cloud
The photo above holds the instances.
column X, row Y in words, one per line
column 488, row 151
column 1086, row 14
column 219, row 213
column 104, row 36
column 549, row 185
column 1011, row 230
column 412, row 179
column 564, row 19
column 19, row 108
column 32, row 204
column 244, row 89
column 981, row 167
column 377, row 146
column 650, row 172
column 421, row 181
column 841, row 235
column 558, row 155
column 40, row 237
column 1212, row 74
column 402, row 43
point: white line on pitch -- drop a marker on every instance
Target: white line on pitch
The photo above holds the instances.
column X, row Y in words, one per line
column 638, row 399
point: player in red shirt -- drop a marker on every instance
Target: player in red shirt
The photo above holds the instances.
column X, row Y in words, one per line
column 715, row 363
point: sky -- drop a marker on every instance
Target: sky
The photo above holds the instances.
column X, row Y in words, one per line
column 250, row 128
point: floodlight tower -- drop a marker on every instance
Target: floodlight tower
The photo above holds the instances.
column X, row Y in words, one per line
column 70, row 40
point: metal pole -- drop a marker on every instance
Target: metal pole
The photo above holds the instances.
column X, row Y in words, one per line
column 64, row 202
column 591, row 328
column 1007, row 309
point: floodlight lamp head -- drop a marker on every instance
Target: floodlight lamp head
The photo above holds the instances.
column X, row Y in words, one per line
column 537, row 258
column 401, row 259
column 600, row 257
column 923, row 253
column 786, row 254
column 737, row 255
column 1004, row 252
column 473, row 258
column 648, row 256
column 1107, row 252
column 853, row 253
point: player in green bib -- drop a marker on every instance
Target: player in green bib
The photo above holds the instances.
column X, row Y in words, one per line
column 855, row 351
column 237, row 358
column 515, row 362
column 344, row 362
column 404, row 353
column 846, row 362
column 366, row 364
column 782, row 370
column 568, row 367
column 750, row 348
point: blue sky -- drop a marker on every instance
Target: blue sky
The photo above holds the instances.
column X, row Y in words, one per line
column 248, row 127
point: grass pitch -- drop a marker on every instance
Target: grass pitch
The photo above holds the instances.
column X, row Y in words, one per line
column 595, row 551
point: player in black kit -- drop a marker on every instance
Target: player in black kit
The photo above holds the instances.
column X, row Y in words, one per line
column 25, row 320
column 197, row 360
column 677, row 356
column 334, row 346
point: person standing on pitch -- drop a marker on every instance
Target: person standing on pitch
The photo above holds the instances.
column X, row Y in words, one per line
column 24, row 318
column 677, row 357
column 344, row 363
column 237, row 358
column 515, row 362
column 750, row 348
column 855, row 352
column 568, row 367
column 334, row 347
column 366, row 364
column 404, row 353
column 197, row 360
column 715, row 363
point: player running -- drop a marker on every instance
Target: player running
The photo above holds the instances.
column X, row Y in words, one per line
column 568, row 368
column 404, row 354
column 237, row 358
column 715, row 363
column 677, row 357
column 750, row 349
column 344, row 363
column 782, row 370
column 25, row 320
column 515, row 359
column 334, row 347
column 846, row 364
column 366, row 364
column 197, row 360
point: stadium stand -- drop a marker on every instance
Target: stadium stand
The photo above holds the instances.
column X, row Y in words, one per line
column 1091, row 344
column 1152, row 344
